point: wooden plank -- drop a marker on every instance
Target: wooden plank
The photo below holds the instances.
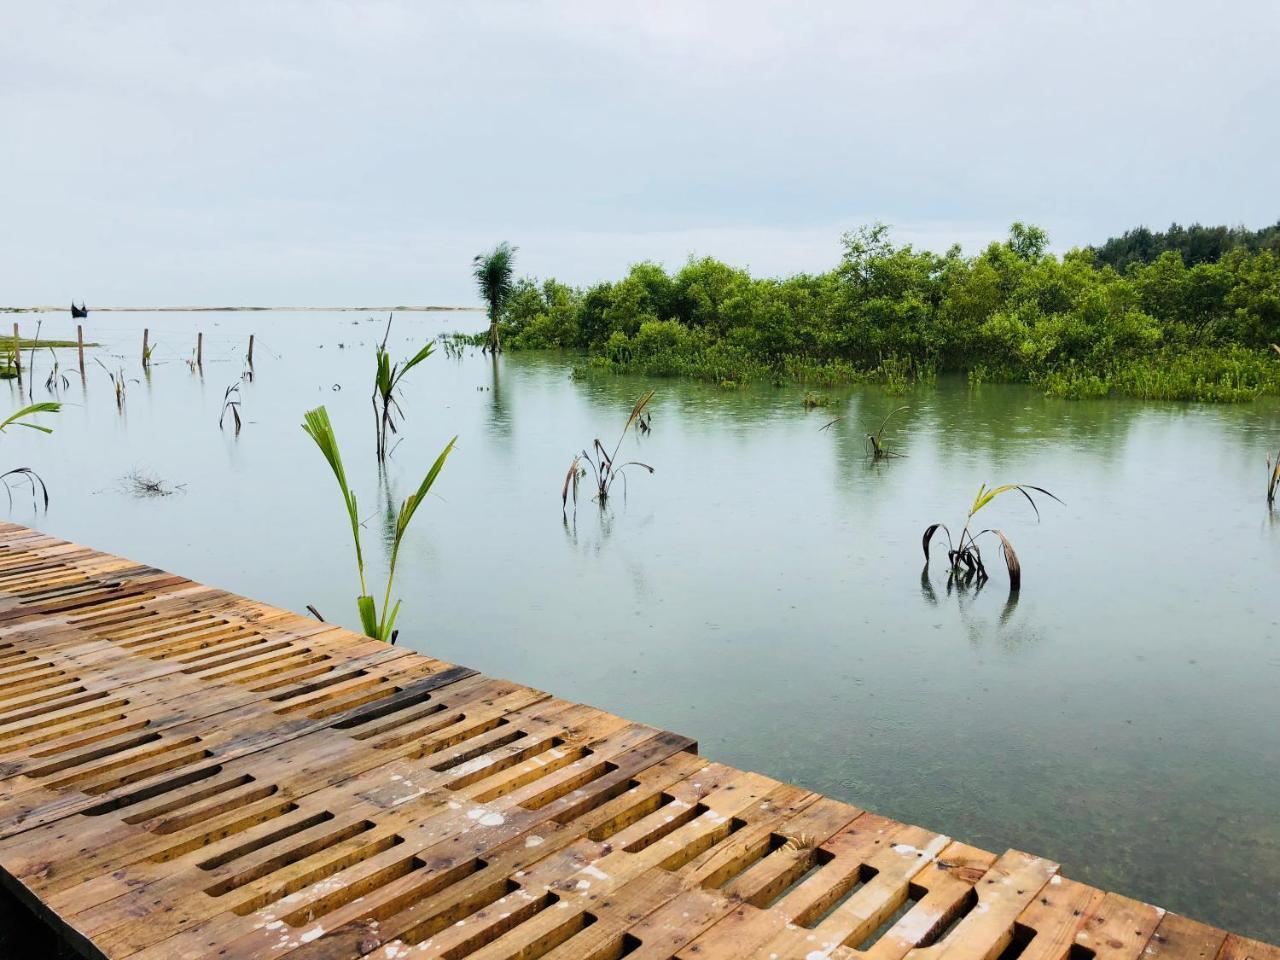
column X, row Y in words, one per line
column 1241, row 948
column 77, row 757
column 185, row 773
column 1178, row 938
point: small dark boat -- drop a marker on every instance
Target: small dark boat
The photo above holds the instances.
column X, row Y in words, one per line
column 78, row 312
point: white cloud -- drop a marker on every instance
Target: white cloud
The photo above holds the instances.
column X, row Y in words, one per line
column 272, row 142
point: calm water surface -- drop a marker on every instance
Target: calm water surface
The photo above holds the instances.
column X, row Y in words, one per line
column 762, row 591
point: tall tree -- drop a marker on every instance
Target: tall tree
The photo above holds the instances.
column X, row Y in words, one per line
column 494, row 272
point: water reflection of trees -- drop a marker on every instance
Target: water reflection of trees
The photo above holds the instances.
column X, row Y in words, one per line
column 951, row 422
column 499, row 410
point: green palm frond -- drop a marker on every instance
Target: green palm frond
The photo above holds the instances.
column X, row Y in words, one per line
column 381, row 627
column 985, row 496
column 494, row 274
column 386, row 382
column 414, row 500
column 16, row 418
column 319, row 428
column 965, row 556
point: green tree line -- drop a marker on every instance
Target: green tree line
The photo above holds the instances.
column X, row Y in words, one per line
column 1075, row 325
column 1197, row 244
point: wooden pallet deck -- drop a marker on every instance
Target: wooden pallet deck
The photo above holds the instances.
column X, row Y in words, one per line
column 186, row 773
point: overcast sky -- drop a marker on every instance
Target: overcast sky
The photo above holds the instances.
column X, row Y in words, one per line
column 319, row 152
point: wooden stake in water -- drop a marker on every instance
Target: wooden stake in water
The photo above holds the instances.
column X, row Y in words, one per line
column 17, row 351
column 251, row 351
column 146, row 353
column 200, row 350
column 80, row 347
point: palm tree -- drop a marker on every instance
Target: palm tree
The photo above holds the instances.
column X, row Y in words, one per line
column 493, row 272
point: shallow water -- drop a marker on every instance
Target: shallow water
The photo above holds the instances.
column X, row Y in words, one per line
column 762, row 591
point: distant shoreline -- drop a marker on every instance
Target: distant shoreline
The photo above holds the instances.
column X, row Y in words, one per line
column 401, row 309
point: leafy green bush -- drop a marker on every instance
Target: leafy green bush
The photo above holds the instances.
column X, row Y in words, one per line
column 896, row 315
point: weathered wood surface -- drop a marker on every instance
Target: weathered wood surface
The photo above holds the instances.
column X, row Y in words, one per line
column 186, row 773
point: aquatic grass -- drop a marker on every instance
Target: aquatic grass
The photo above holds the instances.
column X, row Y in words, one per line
column 117, row 382
column 19, row 418
column 455, row 344
column 1226, row 375
column 966, row 558
column 386, row 382
column 727, row 365
column 876, row 448
column 30, row 343
column 605, row 467
column 896, row 373
column 378, row 624
column 231, row 404
column 56, row 378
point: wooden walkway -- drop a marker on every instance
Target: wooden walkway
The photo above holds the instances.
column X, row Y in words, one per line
column 186, row 773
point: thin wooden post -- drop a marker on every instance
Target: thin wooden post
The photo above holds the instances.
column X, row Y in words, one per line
column 251, row 351
column 200, row 350
column 80, row 347
column 17, row 351
column 146, row 335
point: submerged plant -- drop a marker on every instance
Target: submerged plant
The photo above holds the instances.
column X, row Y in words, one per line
column 377, row 624
column 876, row 448
column 117, row 381
column 494, row 273
column 455, row 344
column 604, row 465
column 385, row 384
column 56, row 377
column 231, row 404
column 143, row 484
column 966, row 557
column 19, row 419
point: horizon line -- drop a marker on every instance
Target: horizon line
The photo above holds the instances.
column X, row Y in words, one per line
column 229, row 309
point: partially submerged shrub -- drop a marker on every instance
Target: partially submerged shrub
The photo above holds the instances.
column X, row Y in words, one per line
column 385, row 385
column 605, row 467
column 966, row 557
column 876, row 447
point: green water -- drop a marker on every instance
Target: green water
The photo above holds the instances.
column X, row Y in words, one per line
column 762, row 591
